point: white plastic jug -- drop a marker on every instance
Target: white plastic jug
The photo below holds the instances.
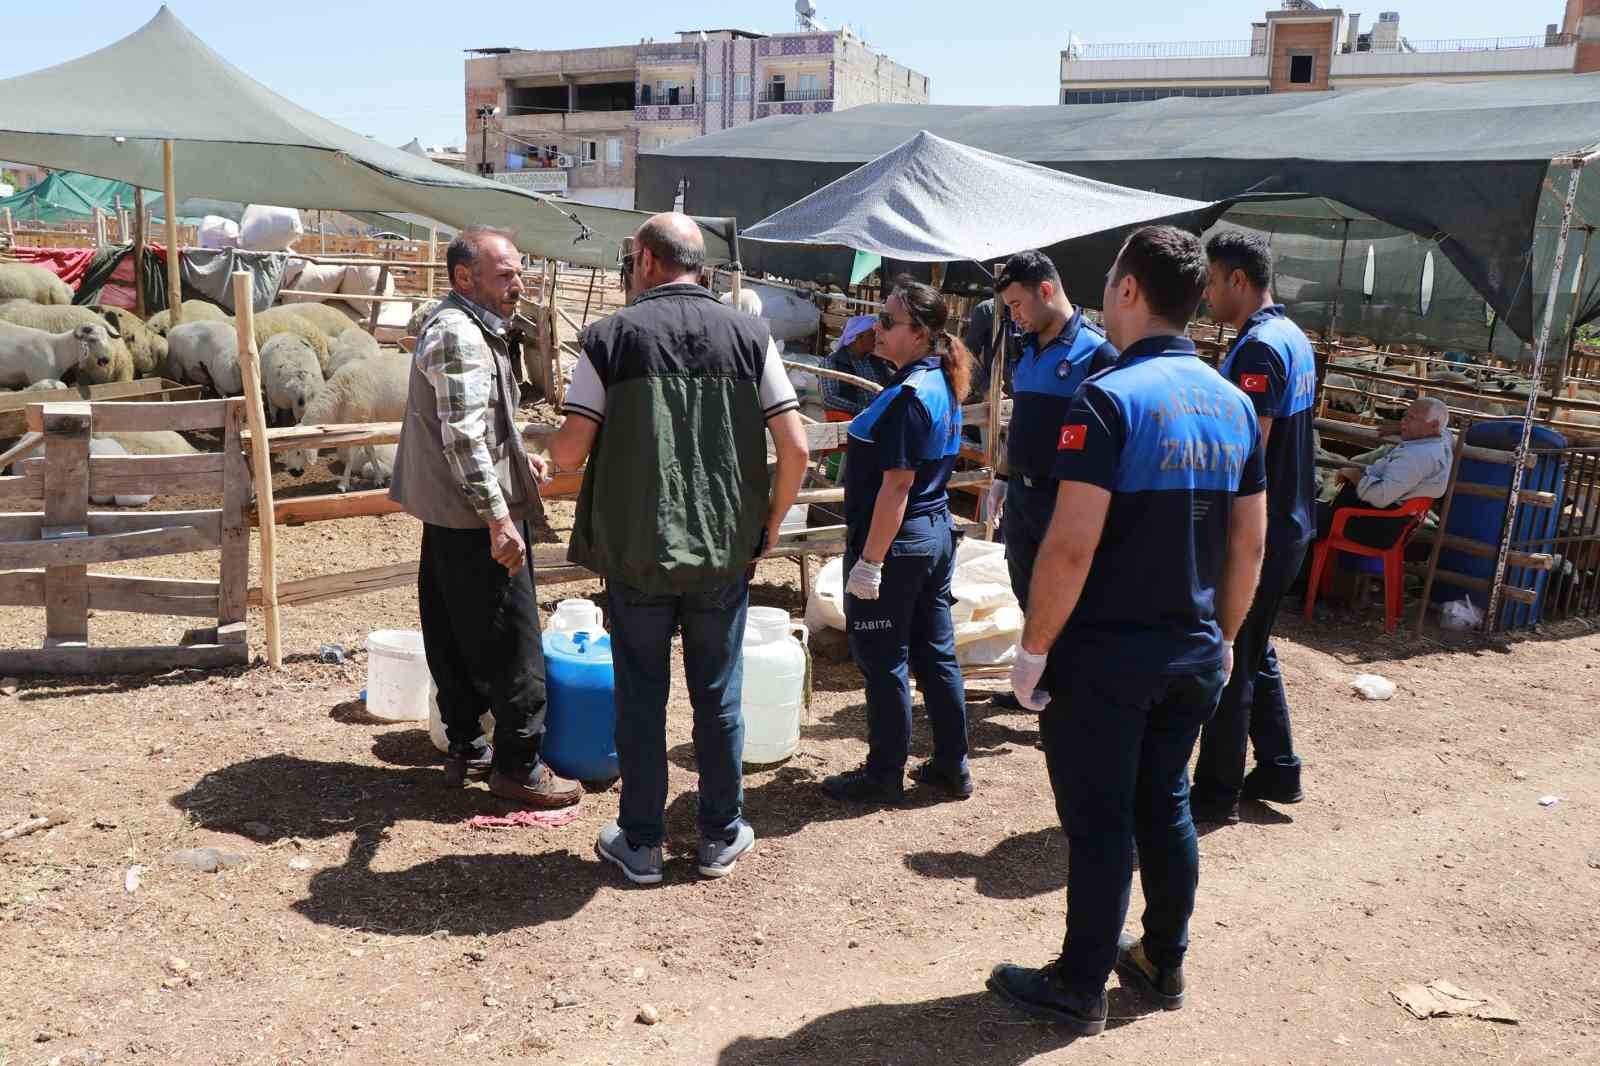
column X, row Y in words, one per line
column 436, row 722
column 775, row 661
column 576, row 616
column 397, row 676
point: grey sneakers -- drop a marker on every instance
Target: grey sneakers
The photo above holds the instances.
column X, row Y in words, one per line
column 642, row 866
column 717, row 858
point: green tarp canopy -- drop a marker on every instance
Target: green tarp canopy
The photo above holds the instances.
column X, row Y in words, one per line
column 66, row 196
column 108, row 113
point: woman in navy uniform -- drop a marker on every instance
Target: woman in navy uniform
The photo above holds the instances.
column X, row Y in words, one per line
column 900, row 550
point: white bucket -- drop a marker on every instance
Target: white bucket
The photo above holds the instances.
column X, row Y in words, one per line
column 773, row 694
column 436, row 722
column 577, row 616
column 397, row 676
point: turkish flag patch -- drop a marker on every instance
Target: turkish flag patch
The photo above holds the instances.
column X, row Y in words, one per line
column 1072, row 438
column 1253, row 382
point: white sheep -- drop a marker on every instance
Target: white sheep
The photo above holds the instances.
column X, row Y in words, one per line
column 291, row 374
column 61, row 319
column 151, row 442
column 24, row 281
column 206, row 353
column 372, row 463
column 367, row 390
column 354, row 343
column 28, row 355
column 47, row 385
column 107, row 446
column 326, row 317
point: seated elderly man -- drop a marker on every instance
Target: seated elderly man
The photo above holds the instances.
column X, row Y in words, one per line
column 1418, row 466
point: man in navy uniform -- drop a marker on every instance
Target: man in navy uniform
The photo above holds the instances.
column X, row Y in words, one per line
column 1060, row 348
column 1272, row 363
column 1144, row 576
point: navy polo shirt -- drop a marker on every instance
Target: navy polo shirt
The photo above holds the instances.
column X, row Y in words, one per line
column 1042, row 386
column 1272, row 363
column 913, row 424
column 1173, row 443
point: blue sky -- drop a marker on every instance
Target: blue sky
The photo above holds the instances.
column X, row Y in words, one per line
column 393, row 70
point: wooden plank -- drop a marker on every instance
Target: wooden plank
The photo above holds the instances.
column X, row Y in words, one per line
column 28, row 525
column 25, row 447
column 80, row 659
column 28, row 485
column 1526, row 597
column 234, row 535
column 260, row 461
column 22, row 588
column 338, row 435
column 135, row 595
column 549, row 563
column 1530, row 497
column 1480, row 550
column 75, row 552
column 369, row 503
column 957, row 481
column 146, row 475
column 65, row 467
column 130, row 417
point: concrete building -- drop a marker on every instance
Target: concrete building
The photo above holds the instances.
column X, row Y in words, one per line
column 1306, row 48
column 573, row 121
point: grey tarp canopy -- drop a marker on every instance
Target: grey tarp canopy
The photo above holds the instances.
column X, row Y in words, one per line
column 931, row 200
column 1465, row 165
column 108, row 113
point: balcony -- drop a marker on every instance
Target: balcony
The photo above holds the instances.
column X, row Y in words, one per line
column 670, row 98
column 1481, row 44
column 777, row 94
column 1165, row 50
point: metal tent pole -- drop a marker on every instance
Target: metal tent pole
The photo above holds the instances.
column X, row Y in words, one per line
column 1540, row 351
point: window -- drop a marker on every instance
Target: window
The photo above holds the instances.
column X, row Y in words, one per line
column 741, row 86
column 613, row 151
column 713, row 87
column 1302, row 68
column 807, row 85
column 590, row 150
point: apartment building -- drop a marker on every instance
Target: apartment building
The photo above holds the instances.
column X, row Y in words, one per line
column 573, row 121
column 1303, row 47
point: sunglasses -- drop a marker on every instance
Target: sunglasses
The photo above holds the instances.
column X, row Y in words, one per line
column 627, row 263
column 886, row 321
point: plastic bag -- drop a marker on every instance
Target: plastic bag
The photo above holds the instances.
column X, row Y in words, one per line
column 264, row 228
column 1460, row 614
column 1373, row 687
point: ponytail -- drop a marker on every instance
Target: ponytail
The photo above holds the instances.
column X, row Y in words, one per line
column 957, row 363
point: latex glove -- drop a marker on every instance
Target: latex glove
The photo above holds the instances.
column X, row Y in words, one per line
column 865, row 578
column 1227, row 660
column 996, row 499
column 1026, row 673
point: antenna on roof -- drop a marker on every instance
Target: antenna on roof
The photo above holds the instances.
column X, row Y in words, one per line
column 805, row 16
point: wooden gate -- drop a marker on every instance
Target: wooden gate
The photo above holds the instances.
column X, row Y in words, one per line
column 45, row 555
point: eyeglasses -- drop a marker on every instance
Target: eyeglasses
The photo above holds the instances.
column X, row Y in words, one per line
column 887, row 321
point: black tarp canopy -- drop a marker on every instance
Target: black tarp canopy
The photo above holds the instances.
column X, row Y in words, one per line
column 1467, row 168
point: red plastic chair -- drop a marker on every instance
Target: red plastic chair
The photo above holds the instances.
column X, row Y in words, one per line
column 1393, row 558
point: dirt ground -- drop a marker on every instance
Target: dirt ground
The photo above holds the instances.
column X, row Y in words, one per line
column 368, row 924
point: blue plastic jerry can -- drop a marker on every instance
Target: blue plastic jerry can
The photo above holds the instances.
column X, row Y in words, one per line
column 581, row 718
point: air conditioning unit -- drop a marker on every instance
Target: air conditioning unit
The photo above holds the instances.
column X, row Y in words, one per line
column 564, row 160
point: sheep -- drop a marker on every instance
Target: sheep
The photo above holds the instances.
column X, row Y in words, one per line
column 148, row 348
column 160, row 323
column 24, row 281
column 54, row 319
column 290, row 374
column 420, row 315
column 369, row 462
column 287, row 319
column 29, row 355
column 47, row 385
column 354, row 343
column 152, row 442
column 367, row 390
column 107, row 446
column 206, row 353
column 326, row 317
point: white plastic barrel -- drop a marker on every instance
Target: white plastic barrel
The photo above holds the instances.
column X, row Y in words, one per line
column 774, row 684
column 397, row 676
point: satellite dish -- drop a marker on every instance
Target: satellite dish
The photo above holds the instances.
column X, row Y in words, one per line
column 1370, row 278
column 1425, row 290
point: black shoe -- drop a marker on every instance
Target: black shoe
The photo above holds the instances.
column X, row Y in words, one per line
column 858, row 786
column 1006, row 701
column 1273, row 784
column 465, row 761
column 1213, row 806
column 929, row 772
column 1164, row 984
column 1041, row 994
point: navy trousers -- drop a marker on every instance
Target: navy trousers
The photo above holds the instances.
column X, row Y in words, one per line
column 907, row 631
column 1118, row 748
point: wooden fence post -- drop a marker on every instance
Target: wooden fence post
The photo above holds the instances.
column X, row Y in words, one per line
column 433, row 246
column 174, row 256
column 233, row 585
column 260, row 459
column 66, row 514
column 139, row 225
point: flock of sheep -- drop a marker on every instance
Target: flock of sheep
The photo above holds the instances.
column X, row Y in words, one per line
column 317, row 365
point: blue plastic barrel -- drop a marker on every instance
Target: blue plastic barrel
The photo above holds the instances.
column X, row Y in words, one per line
column 1483, row 520
column 581, row 720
